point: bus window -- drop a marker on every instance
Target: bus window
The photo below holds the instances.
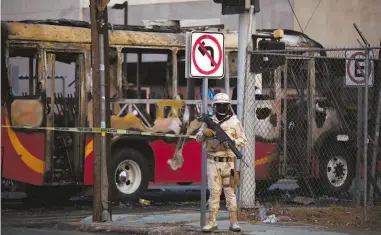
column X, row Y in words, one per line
column 149, row 76
column 23, row 71
column 26, row 109
column 147, row 68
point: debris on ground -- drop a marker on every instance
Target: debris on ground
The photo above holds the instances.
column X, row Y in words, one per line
column 270, row 219
column 304, row 200
column 334, row 217
column 284, row 218
column 337, row 216
column 144, row 202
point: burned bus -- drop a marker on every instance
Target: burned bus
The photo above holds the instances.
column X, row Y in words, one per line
column 149, row 96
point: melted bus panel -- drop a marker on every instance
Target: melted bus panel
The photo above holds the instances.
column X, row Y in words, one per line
column 152, row 96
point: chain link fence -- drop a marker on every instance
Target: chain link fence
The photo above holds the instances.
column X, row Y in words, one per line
column 309, row 124
column 247, row 186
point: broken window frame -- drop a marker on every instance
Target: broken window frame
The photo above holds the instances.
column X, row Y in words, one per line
column 82, row 66
column 171, row 75
column 39, row 86
column 35, row 89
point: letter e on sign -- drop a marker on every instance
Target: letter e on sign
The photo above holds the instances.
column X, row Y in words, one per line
column 355, row 69
column 207, row 55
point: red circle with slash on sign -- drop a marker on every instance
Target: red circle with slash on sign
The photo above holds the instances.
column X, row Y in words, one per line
column 197, row 44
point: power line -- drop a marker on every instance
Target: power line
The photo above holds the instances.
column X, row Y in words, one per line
column 313, row 13
column 295, row 16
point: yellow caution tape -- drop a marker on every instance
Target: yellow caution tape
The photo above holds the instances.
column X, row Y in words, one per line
column 102, row 131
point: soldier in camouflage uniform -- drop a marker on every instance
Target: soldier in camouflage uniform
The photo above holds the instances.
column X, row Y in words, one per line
column 221, row 161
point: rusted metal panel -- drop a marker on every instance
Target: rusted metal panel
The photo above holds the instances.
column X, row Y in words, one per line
column 31, row 88
column 79, row 32
column 88, row 87
column 80, row 118
column 21, row 45
column 70, row 35
column 146, row 38
column 65, row 47
column 174, row 73
column 56, row 46
column 121, row 83
column 52, row 33
column 42, row 77
column 49, row 135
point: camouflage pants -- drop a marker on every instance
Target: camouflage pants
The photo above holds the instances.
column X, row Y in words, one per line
column 218, row 178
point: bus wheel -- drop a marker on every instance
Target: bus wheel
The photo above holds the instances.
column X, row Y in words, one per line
column 337, row 169
column 130, row 173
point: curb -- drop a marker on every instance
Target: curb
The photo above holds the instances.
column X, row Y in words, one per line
column 110, row 228
column 31, row 225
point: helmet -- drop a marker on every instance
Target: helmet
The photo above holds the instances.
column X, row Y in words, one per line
column 221, row 98
column 221, row 104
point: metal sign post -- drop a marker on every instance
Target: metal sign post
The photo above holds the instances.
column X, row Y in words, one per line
column 357, row 194
column 203, row 157
column 365, row 149
column 360, row 74
column 205, row 59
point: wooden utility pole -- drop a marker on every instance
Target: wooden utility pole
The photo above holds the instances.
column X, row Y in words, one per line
column 99, row 35
column 97, row 206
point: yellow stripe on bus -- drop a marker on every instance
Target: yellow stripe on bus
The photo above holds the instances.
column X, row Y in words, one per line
column 89, row 148
column 29, row 159
column 37, row 164
column 267, row 159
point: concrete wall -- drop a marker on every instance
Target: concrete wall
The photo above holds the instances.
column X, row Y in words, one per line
column 85, row 3
column 332, row 22
column 40, row 9
column 274, row 13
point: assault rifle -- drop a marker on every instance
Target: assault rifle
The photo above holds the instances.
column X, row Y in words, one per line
column 221, row 136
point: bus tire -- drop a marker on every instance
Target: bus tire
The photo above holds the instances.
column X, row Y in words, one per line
column 130, row 175
column 337, row 169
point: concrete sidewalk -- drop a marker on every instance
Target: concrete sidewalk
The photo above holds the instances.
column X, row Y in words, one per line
column 187, row 222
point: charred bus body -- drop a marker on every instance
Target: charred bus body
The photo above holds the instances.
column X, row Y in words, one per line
column 53, row 158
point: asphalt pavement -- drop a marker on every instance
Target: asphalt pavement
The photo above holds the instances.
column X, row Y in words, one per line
column 32, row 231
column 166, row 209
column 14, row 214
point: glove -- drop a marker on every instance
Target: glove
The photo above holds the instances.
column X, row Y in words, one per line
column 226, row 144
column 208, row 132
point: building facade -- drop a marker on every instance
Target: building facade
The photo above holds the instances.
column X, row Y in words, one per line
column 331, row 22
column 326, row 21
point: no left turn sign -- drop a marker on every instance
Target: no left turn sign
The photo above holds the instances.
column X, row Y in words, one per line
column 355, row 69
column 207, row 55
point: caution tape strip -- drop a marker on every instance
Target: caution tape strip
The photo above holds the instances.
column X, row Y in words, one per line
column 103, row 130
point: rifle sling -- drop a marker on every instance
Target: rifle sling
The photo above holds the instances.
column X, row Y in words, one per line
column 224, row 119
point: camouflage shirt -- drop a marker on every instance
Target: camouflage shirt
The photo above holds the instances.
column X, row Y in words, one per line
column 233, row 129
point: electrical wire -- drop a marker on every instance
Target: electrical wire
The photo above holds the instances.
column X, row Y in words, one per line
column 313, row 13
column 295, row 16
